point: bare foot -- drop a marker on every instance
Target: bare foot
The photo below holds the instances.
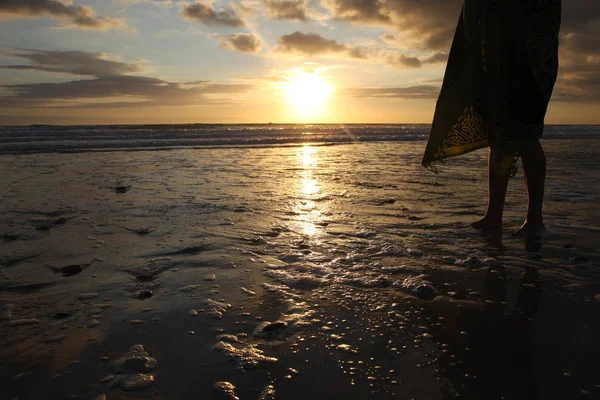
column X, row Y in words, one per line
column 487, row 224
column 531, row 229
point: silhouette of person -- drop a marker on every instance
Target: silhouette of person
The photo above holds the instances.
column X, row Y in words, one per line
column 499, row 79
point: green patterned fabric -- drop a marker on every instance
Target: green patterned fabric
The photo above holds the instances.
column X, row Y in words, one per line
column 499, row 79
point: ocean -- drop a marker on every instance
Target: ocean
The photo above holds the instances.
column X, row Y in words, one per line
column 317, row 261
column 46, row 138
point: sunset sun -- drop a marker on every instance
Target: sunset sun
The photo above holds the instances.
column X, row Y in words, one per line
column 307, row 94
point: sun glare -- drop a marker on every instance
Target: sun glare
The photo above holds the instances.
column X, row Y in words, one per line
column 307, row 94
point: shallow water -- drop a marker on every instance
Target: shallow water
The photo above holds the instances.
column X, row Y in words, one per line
column 363, row 261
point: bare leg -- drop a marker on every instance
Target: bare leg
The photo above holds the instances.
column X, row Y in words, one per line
column 497, row 194
column 534, row 168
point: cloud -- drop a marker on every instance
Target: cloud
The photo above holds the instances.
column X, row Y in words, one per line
column 206, row 14
column 402, row 61
column 71, row 62
column 436, row 58
column 390, row 39
column 242, row 42
column 111, row 85
column 411, row 92
column 132, row 91
column 429, row 24
column 76, row 16
column 360, row 11
column 286, row 9
column 579, row 52
column 312, row 44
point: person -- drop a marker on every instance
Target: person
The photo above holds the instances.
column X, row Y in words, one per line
column 499, row 78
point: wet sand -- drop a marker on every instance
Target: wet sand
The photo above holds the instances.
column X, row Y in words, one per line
column 327, row 272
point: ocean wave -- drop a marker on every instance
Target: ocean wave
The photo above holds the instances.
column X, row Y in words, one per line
column 48, row 138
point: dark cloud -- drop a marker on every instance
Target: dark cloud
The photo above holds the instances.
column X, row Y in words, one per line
column 429, row 24
column 133, row 91
column 411, row 92
column 436, row 58
column 579, row 52
column 80, row 16
column 402, row 61
column 389, row 39
column 286, row 9
column 312, row 44
column 71, row 62
column 206, row 14
column 111, row 84
column 360, row 11
column 243, row 43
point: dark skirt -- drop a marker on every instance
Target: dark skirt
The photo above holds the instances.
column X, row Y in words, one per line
column 499, row 79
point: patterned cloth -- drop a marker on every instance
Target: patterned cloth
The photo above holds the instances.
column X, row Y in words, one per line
column 499, row 79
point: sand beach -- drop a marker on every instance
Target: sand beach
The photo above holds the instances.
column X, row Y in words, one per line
column 314, row 270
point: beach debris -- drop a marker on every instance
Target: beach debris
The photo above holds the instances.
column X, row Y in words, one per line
column 226, row 389
column 247, row 291
column 88, row 296
column 245, row 355
column 131, row 370
column 216, row 309
column 268, row 393
column 135, row 321
column 23, row 321
column 93, row 323
column 417, row 286
column 210, row 277
column 271, row 330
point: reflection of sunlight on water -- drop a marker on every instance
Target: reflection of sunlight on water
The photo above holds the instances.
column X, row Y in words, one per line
column 309, row 157
column 310, row 214
column 309, row 186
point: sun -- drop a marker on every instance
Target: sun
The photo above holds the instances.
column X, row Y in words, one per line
column 307, row 95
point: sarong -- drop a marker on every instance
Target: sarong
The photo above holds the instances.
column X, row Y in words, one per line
column 501, row 71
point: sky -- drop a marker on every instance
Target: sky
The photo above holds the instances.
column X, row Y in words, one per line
column 254, row 61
